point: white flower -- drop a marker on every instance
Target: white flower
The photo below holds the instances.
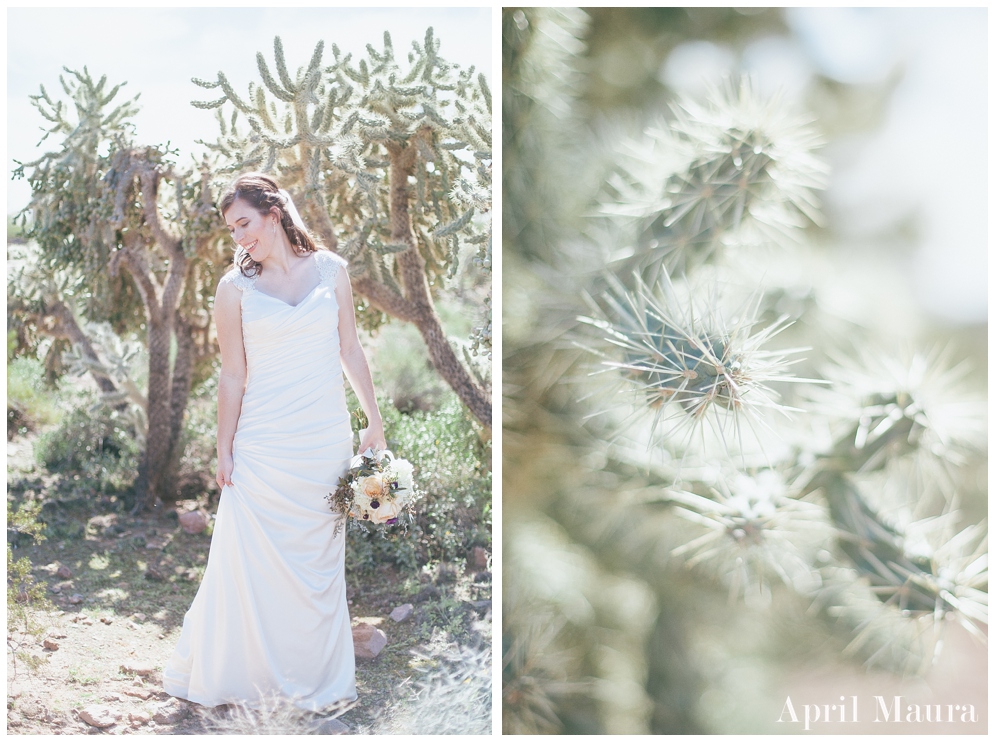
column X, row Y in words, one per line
column 403, row 472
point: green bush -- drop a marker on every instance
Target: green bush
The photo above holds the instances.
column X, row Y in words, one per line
column 199, row 442
column 452, row 469
column 95, row 444
column 23, row 592
column 402, row 370
column 31, row 403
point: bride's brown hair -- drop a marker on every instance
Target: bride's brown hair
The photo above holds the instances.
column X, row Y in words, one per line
column 263, row 194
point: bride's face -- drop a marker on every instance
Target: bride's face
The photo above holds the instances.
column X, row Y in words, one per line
column 255, row 232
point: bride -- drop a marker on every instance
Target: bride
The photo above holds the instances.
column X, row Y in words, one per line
column 270, row 617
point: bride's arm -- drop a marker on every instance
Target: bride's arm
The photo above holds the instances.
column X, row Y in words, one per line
column 231, row 385
column 354, row 363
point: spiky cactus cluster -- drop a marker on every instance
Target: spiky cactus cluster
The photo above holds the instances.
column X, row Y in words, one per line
column 680, row 351
column 343, row 115
column 670, row 345
column 668, row 434
column 735, row 171
column 389, row 163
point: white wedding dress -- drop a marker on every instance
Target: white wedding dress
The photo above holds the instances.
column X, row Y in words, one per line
column 270, row 617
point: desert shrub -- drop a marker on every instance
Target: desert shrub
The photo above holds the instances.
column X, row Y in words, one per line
column 23, row 593
column 274, row 715
column 94, row 443
column 402, row 369
column 198, row 464
column 31, row 403
column 452, row 468
column 453, row 696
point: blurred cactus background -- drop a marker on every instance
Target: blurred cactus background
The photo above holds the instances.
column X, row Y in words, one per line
column 744, row 400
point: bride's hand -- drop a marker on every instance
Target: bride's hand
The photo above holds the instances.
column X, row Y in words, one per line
column 225, row 466
column 372, row 438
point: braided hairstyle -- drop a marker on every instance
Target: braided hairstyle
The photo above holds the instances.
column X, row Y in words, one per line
column 263, row 194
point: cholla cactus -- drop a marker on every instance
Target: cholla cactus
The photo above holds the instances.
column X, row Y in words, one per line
column 394, row 157
column 122, row 235
column 737, row 171
column 685, row 450
column 707, row 366
column 758, row 527
column 682, row 353
column 915, row 403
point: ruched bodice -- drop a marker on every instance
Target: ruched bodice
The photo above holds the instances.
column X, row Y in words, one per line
column 271, row 615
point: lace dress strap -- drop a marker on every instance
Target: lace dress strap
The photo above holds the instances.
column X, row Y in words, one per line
column 241, row 282
column 328, row 264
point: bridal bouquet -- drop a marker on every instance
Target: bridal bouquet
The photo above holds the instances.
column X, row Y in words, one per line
column 378, row 490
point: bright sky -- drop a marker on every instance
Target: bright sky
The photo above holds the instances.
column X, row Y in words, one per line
column 158, row 50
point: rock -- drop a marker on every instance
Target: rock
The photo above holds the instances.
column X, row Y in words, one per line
column 138, row 693
column 50, row 644
column 75, row 599
column 170, row 712
column 368, row 641
column 106, row 620
column 194, row 521
column 56, row 589
column 482, row 577
column 332, row 726
column 154, row 575
column 31, row 709
column 138, row 616
column 112, row 698
column 138, row 718
column 402, row 612
column 137, row 668
column 63, row 572
column 22, row 597
column 99, row 716
column 478, row 558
